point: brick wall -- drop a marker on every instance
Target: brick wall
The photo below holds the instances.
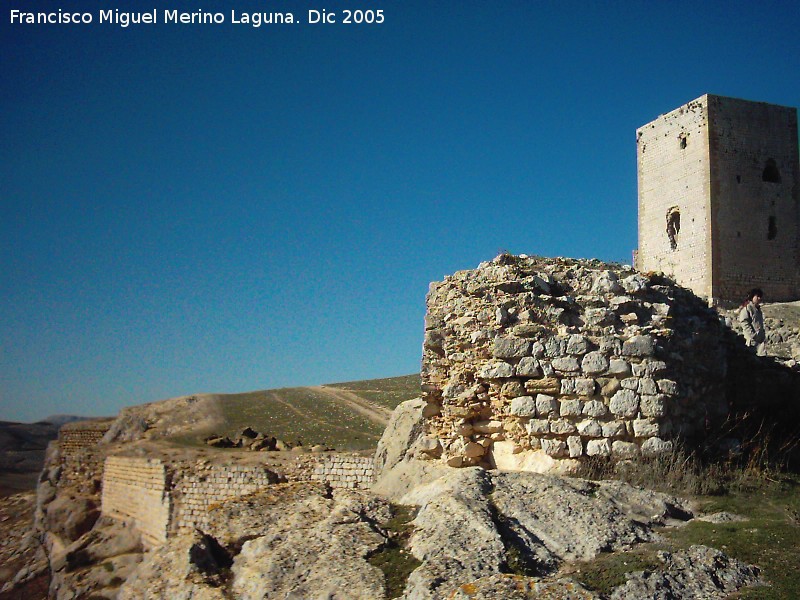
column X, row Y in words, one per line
column 344, row 471
column 81, row 458
column 135, row 488
column 205, row 485
column 168, row 498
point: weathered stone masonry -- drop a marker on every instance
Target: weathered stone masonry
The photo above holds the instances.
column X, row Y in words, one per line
column 527, row 361
column 165, row 499
column 81, row 457
column 719, row 198
column 136, row 489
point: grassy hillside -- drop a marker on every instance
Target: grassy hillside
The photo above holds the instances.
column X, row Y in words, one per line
column 344, row 416
column 384, row 392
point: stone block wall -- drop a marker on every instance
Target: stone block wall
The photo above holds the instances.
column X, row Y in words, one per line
column 166, row 498
column 674, row 184
column 719, row 198
column 81, row 458
column 135, row 488
column 343, row 471
column 755, row 194
column 204, row 485
column 531, row 361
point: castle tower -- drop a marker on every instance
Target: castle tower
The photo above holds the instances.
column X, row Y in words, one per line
column 719, row 198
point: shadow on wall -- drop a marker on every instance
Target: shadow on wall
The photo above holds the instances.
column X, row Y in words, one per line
column 764, row 399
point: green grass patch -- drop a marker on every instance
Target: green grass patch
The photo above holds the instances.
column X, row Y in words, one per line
column 751, row 486
column 769, row 538
column 304, row 414
column 300, row 414
column 394, row 559
column 387, row 392
column 608, row 570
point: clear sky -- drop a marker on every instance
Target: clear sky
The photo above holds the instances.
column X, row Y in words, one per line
column 221, row 208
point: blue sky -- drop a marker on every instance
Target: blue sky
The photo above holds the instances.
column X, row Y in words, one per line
column 198, row 208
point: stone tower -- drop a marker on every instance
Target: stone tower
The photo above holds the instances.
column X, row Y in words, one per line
column 719, row 205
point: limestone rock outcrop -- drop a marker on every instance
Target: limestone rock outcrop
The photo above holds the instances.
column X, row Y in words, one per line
column 295, row 540
column 472, row 530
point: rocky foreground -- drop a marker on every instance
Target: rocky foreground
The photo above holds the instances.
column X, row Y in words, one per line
column 472, row 528
column 467, row 533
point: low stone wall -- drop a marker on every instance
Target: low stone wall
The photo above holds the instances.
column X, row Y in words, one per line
column 81, row 460
column 205, row 485
column 135, row 489
column 167, row 498
column 344, row 471
column 530, row 361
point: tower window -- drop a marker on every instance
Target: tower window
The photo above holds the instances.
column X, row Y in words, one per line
column 682, row 138
column 772, row 229
column 673, row 226
column 771, row 173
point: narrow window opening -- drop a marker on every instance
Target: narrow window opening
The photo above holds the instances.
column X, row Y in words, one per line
column 738, row 179
column 682, row 138
column 772, row 229
column 771, row 173
column 673, row 226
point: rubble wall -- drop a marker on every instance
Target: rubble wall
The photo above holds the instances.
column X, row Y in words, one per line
column 531, row 361
column 135, row 488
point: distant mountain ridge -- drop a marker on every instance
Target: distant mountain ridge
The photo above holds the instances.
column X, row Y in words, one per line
column 59, row 420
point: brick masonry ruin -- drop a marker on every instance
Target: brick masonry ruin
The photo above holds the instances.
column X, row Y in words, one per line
column 538, row 363
column 719, row 198
column 168, row 496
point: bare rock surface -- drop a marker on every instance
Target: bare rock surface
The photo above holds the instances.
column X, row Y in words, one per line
column 455, row 536
column 97, row 562
column 519, row 587
column 166, row 418
column 405, row 427
column 292, row 541
column 699, row 572
column 722, row 517
column 471, row 520
column 477, row 534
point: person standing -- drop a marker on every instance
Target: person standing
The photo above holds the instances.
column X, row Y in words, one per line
column 752, row 321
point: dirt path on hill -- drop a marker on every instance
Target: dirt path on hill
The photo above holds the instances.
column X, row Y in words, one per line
column 275, row 397
column 373, row 412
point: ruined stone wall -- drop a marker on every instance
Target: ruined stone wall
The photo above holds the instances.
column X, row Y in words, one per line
column 81, row 456
column 529, row 361
column 136, row 489
column 166, row 498
column 205, row 485
column 756, row 221
column 343, row 471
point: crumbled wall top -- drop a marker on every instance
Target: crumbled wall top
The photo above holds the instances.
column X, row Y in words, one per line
column 544, row 359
